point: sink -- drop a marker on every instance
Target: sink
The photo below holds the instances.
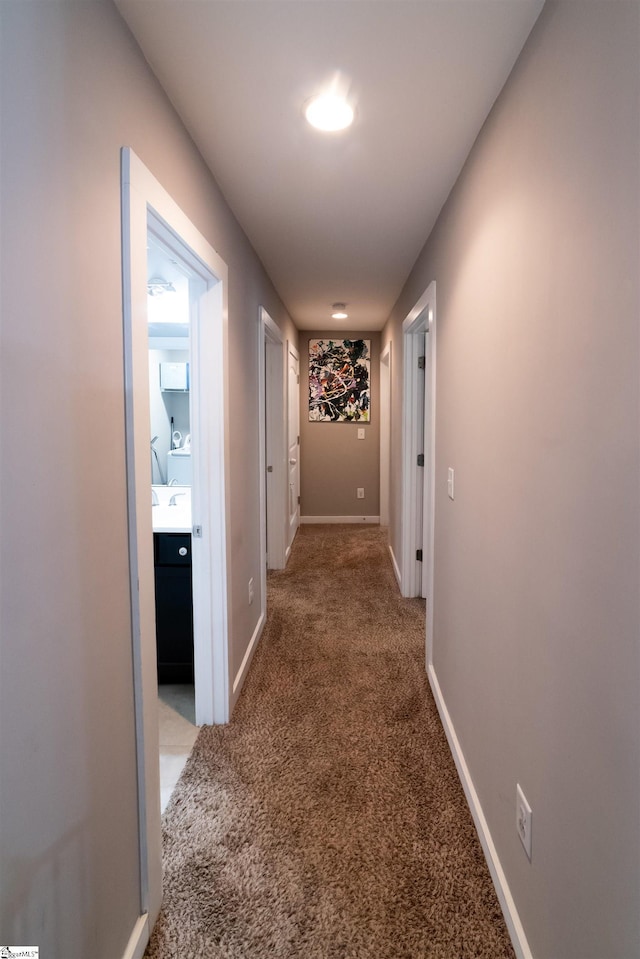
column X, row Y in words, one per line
column 172, row 518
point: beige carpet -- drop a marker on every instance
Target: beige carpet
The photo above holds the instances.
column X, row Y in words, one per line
column 327, row 821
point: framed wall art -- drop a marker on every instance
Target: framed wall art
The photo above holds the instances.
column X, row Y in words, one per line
column 339, row 376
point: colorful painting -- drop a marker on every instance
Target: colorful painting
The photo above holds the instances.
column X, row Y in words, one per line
column 339, row 381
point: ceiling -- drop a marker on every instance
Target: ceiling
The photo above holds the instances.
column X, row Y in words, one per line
column 342, row 216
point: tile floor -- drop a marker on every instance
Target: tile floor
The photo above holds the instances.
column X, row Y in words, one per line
column 177, row 730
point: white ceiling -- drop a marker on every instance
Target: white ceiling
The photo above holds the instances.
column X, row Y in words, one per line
column 334, row 217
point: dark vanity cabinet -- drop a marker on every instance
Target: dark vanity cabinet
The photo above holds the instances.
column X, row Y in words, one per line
column 174, row 607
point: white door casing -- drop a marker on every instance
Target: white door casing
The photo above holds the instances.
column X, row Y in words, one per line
column 273, row 442
column 385, row 434
column 418, row 436
column 293, row 442
column 147, row 209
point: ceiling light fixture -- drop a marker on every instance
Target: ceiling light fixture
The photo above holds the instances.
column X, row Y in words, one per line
column 338, row 311
column 157, row 285
column 329, row 112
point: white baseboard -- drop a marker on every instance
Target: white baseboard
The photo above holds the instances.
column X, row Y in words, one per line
column 396, row 568
column 507, row 904
column 138, row 939
column 246, row 661
column 340, row 519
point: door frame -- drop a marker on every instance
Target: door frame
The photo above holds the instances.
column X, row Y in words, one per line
column 418, row 484
column 295, row 402
column 385, row 434
column 273, row 453
column 147, row 207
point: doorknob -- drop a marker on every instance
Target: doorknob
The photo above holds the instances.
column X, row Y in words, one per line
column 292, row 462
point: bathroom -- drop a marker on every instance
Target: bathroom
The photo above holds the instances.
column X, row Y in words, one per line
column 171, row 479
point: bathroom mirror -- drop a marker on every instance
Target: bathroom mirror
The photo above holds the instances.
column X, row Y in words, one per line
column 168, row 317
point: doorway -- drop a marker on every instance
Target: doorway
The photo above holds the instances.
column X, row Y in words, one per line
column 151, row 218
column 273, row 491
column 293, row 443
column 418, row 462
column 385, row 434
column 170, row 365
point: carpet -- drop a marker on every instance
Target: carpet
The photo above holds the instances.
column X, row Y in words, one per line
column 326, row 821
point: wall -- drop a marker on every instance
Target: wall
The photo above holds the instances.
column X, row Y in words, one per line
column 535, row 257
column 334, row 461
column 165, row 404
column 75, row 89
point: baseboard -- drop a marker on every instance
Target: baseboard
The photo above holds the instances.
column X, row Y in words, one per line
column 246, row 661
column 396, row 568
column 138, row 939
column 340, row 519
column 507, row 904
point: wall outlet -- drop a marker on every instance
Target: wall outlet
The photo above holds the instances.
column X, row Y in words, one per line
column 360, row 492
column 523, row 820
column 250, row 591
column 361, row 433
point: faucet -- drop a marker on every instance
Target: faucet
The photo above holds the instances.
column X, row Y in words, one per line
column 154, row 498
column 172, row 501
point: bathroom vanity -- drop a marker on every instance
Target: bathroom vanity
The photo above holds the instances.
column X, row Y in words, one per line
column 173, row 583
column 174, row 607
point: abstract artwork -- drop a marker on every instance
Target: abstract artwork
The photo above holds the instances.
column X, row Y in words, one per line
column 339, row 381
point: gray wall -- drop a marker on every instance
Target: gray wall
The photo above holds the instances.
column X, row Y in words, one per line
column 536, row 647
column 334, row 462
column 75, row 89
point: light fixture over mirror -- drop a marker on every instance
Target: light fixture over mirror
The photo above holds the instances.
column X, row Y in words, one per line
column 157, row 285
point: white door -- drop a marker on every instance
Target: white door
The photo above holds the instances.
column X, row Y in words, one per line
column 293, row 442
column 421, row 424
column 276, row 441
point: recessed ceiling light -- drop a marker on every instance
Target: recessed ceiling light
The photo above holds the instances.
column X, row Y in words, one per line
column 329, row 112
column 338, row 311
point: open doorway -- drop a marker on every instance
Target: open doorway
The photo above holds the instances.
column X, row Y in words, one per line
column 418, row 466
column 293, row 444
column 385, row 434
column 170, row 365
column 153, row 223
column 273, row 505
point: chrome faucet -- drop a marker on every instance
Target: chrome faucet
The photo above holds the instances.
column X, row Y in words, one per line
column 154, row 498
column 172, row 501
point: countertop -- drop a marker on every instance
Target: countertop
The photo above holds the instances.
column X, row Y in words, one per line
column 172, row 518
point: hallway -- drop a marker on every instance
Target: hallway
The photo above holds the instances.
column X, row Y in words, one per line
column 532, row 244
column 327, row 819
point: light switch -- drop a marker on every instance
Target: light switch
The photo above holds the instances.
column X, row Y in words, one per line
column 450, row 482
column 361, row 432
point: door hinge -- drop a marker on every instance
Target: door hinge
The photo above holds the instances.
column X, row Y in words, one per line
column 298, row 443
column 298, row 501
column 419, row 555
column 420, row 459
column 421, row 362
